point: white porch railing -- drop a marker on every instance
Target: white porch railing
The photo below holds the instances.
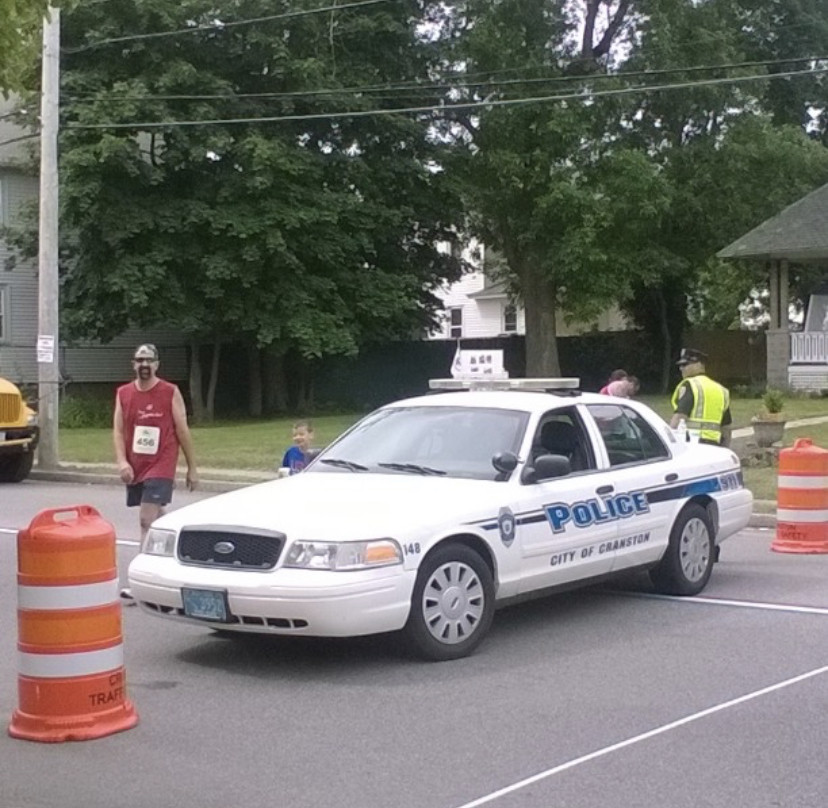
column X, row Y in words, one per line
column 809, row 347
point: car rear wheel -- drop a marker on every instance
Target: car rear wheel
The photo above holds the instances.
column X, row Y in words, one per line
column 688, row 561
column 453, row 604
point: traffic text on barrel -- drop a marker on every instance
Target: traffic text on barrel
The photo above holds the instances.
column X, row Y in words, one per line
column 72, row 683
column 802, row 499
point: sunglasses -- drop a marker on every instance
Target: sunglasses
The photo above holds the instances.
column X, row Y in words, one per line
column 143, row 360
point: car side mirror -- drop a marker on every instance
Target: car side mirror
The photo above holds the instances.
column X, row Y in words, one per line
column 548, row 467
column 505, row 462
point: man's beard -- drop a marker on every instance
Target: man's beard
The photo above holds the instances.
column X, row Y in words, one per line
column 144, row 373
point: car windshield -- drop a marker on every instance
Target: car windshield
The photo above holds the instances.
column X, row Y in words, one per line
column 431, row 440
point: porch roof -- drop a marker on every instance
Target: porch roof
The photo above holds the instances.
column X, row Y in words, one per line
column 799, row 233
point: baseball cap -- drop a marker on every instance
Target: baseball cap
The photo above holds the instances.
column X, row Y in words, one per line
column 146, row 351
column 690, row 355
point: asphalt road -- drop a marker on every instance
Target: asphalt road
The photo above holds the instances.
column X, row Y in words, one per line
column 604, row 698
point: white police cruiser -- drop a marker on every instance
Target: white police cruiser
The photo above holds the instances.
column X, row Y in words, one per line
column 431, row 511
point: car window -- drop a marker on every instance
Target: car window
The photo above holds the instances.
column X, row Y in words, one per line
column 561, row 432
column 627, row 435
column 456, row 441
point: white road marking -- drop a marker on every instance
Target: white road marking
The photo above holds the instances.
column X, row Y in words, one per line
column 742, row 604
column 598, row 753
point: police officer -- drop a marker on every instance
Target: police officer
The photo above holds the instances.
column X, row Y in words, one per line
column 704, row 405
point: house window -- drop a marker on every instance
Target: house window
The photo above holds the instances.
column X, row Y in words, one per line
column 509, row 319
column 4, row 310
column 455, row 323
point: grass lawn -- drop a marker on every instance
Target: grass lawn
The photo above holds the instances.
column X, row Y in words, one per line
column 223, row 445
column 260, row 444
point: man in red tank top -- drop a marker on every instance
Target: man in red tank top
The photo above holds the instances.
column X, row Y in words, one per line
column 149, row 427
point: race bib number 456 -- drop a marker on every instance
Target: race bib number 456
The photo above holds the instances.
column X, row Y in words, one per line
column 145, row 440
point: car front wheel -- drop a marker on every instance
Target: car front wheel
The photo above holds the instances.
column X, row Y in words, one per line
column 453, row 604
column 688, row 561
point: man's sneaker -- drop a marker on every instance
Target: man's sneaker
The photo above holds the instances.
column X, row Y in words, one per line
column 126, row 594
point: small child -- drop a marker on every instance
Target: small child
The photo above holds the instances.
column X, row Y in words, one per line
column 296, row 457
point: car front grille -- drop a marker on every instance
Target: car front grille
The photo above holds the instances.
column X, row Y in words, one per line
column 230, row 549
column 9, row 408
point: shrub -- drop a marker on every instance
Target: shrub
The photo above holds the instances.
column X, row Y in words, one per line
column 77, row 412
column 773, row 400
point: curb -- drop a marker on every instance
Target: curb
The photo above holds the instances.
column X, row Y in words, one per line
column 210, row 485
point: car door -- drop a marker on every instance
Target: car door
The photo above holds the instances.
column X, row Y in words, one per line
column 565, row 528
column 640, row 466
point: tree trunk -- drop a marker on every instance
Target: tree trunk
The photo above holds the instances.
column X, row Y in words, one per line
column 213, row 382
column 666, row 341
column 275, row 384
column 254, row 381
column 196, row 390
column 542, row 358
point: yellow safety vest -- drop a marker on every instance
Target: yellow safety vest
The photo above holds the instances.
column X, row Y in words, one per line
column 710, row 402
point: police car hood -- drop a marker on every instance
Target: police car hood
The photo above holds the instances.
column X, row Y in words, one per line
column 345, row 506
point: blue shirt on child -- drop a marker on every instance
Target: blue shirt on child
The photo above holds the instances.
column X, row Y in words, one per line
column 294, row 459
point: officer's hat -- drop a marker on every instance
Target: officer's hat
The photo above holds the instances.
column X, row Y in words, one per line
column 690, row 355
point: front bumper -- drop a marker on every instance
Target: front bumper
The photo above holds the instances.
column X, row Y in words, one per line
column 19, row 440
column 282, row 601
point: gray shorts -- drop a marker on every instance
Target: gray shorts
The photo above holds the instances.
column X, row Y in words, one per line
column 156, row 491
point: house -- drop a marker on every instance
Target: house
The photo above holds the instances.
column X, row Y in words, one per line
column 796, row 236
column 478, row 306
column 85, row 362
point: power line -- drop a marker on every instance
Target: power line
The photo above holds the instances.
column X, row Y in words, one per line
column 219, row 26
column 414, row 85
column 580, row 96
column 18, row 139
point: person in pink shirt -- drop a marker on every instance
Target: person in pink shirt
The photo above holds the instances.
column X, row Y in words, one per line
column 615, row 376
column 623, row 388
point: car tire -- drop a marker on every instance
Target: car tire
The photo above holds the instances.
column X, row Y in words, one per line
column 452, row 605
column 686, row 566
column 16, row 468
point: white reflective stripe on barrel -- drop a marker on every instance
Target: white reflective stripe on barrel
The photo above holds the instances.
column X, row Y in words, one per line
column 795, row 481
column 55, row 666
column 67, row 597
column 801, row 515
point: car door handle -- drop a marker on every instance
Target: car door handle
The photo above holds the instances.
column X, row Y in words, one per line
column 671, row 478
column 605, row 489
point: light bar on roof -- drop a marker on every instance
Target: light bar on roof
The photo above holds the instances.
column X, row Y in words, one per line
column 537, row 385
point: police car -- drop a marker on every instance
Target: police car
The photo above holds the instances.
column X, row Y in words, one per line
column 432, row 511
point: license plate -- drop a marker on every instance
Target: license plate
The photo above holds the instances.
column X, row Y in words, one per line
column 205, row 604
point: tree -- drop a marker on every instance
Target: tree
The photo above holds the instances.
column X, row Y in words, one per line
column 21, row 23
column 313, row 233
column 565, row 204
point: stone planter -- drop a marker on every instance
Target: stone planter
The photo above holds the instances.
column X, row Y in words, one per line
column 767, row 432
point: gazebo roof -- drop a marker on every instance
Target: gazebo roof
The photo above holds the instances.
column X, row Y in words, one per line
column 799, row 233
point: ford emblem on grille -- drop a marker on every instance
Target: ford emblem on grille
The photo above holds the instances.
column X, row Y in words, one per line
column 224, row 547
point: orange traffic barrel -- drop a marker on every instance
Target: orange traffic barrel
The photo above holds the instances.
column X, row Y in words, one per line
column 802, row 499
column 71, row 684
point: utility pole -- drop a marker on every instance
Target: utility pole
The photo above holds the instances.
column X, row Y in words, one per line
column 48, row 352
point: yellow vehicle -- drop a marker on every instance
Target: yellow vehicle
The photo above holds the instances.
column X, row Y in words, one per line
column 19, row 434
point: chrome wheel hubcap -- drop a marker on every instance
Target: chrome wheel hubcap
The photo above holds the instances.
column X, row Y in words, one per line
column 453, row 602
column 695, row 548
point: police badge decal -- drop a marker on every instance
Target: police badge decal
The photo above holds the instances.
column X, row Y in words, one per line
column 506, row 526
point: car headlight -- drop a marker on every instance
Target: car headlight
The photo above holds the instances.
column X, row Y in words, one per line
column 159, row 542
column 352, row 555
column 31, row 419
